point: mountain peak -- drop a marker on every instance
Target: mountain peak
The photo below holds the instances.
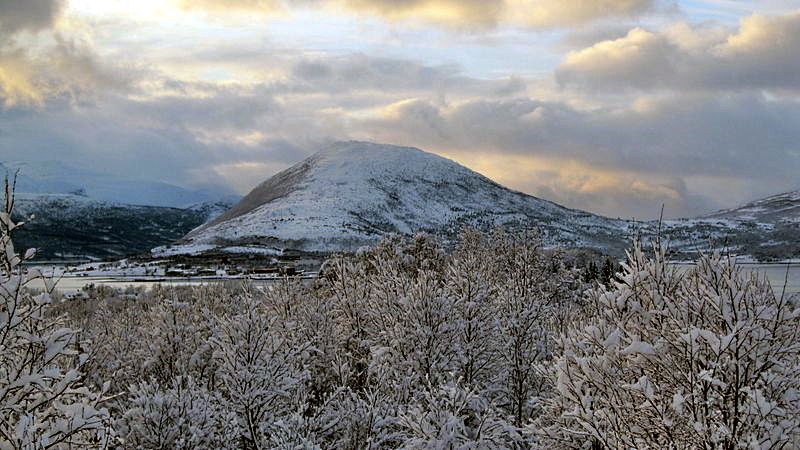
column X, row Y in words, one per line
column 351, row 194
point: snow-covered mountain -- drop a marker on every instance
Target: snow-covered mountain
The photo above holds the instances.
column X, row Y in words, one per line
column 83, row 214
column 765, row 229
column 351, row 194
column 781, row 208
column 66, row 226
column 56, row 177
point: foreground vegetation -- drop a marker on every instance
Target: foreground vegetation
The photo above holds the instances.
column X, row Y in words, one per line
column 497, row 344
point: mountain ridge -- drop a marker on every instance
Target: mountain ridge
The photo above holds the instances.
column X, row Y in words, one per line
column 82, row 214
column 352, row 193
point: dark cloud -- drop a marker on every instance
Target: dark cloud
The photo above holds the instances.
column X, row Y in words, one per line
column 354, row 72
column 31, row 15
column 68, row 67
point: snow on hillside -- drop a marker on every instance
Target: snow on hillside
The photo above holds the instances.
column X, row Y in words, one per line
column 66, row 226
column 774, row 209
column 353, row 193
column 84, row 214
column 765, row 229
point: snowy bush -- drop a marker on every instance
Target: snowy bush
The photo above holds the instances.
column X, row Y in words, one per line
column 668, row 358
column 451, row 417
column 260, row 372
column 182, row 415
column 44, row 402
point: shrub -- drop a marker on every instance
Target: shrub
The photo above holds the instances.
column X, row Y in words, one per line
column 668, row 358
column 44, row 402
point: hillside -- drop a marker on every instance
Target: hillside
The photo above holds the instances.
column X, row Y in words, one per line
column 765, row 230
column 74, row 227
column 84, row 214
column 353, row 193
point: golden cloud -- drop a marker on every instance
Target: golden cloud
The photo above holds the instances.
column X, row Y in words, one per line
column 16, row 81
column 266, row 7
column 550, row 13
column 454, row 13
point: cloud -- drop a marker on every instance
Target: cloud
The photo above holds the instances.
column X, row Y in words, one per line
column 68, row 68
column 31, row 72
column 763, row 53
column 618, row 152
column 740, row 137
column 550, row 13
column 16, row 84
column 469, row 14
column 620, row 161
column 360, row 71
column 615, row 192
column 31, row 15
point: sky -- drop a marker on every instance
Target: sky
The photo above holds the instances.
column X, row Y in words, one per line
column 612, row 106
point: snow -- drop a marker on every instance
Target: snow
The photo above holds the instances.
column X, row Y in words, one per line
column 253, row 250
column 351, row 194
column 172, row 250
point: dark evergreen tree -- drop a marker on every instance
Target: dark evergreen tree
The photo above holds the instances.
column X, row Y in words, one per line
column 607, row 272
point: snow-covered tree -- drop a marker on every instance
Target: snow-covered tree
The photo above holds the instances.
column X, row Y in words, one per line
column 705, row 357
column 471, row 276
column 534, row 296
column 182, row 415
column 450, row 417
column 44, row 402
column 260, row 372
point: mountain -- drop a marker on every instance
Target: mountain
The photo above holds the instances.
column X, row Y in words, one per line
column 56, row 177
column 83, row 214
column 765, row 229
column 776, row 209
column 353, row 193
column 65, row 226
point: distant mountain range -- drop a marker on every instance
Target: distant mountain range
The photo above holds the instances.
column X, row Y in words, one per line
column 80, row 214
column 352, row 194
column 346, row 196
column 56, row 177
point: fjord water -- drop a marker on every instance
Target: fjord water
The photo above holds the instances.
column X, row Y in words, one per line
column 777, row 274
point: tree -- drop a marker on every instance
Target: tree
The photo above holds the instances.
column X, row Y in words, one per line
column 590, row 273
column 607, row 272
column 44, row 402
column 533, row 299
column 665, row 358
